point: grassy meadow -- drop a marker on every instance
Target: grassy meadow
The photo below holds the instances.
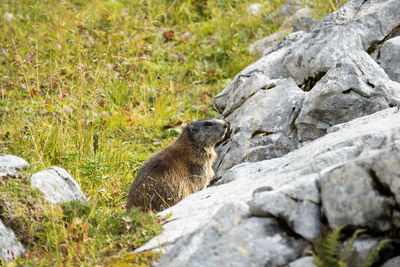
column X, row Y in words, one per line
column 96, row 87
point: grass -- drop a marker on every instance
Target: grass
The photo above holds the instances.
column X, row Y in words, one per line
column 98, row 86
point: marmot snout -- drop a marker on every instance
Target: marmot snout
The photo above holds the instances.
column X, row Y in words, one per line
column 180, row 169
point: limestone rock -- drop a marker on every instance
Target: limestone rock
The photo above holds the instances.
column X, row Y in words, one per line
column 307, row 261
column 354, row 193
column 306, row 24
column 354, row 27
column 364, row 244
column 354, row 87
column 285, row 42
column 226, row 238
column 261, row 127
column 302, row 215
column 299, row 14
column 389, row 58
column 57, row 185
column 10, row 248
column 287, row 9
column 394, row 262
column 10, row 165
column 384, row 168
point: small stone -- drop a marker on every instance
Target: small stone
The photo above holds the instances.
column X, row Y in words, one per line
column 254, row 9
column 57, row 185
column 10, row 165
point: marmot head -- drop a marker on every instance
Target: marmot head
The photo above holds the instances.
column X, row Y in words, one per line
column 206, row 133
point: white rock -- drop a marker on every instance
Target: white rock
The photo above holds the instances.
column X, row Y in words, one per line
column 57, row 185
column 254, row 9
column 10, row 248
column 10, row 165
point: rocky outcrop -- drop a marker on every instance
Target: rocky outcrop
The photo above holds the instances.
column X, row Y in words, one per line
column 314, row 141
column 330, row 63
column 57, row 185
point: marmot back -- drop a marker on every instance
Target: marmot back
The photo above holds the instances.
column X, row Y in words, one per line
column 180, row 169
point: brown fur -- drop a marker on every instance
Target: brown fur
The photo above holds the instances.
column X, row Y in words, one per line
column 182, row 168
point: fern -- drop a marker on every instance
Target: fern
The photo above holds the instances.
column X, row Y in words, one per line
column 327, row 249
column 347, row 253
column 372, row 253
column 328, row 253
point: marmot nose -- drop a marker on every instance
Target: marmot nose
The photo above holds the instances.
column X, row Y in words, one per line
column 225, row 126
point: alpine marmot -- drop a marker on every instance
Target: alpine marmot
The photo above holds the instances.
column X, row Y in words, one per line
column 182, row 168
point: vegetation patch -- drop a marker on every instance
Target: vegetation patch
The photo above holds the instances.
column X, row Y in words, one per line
column 22, row 208
column 145, row 258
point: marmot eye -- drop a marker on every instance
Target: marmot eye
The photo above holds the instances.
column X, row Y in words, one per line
column 208, row 123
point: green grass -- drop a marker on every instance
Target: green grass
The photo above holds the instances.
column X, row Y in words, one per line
column 94, row 87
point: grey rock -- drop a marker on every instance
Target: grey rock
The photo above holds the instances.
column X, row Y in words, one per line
column 306, row 24
column 287, row 9
column 261, row 127
column 10, row 165
column 352, row 193
column 271, row 40
column 389, row 58
column 354, row 87
column 227, row 239
column 363, row 246
column 285, row 42
column 299, row 14
column 394, row 262
column 57, row 185
column 354, row 27
column 303, row 216
column 307, row 261
column 385, row 169
column 10, row 248
column 349, row 141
